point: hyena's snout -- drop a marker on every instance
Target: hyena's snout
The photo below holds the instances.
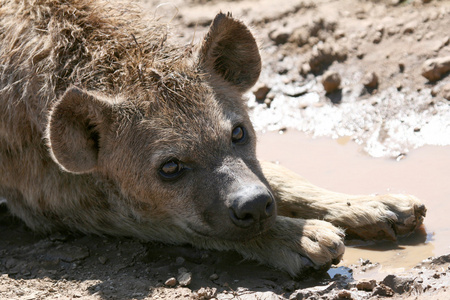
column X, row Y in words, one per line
column 252, row 206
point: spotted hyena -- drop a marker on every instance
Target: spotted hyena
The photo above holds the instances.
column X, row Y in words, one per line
column 107, row 128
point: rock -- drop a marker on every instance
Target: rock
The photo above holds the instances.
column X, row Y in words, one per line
column 383, row 290
column 260, row 91
column 301, row 294
column 441, row 259
column 370, row 80
column 331, row 81
column 392, row 30
column 313, row 292
column 305, row 69
column 434, row 91
column 171, row 282
column 380, row 28
column 398, row 284
column 410, row 27
column 319, row 30
column 280, row 36
column 313, row 40
column 10, row 263
column 206, row 293
column 184, row 278
column 300, row 36
column 360, row 14
column 323, row 54
column 340, row 53
column 270, row 96
column 377, row 37
column 433, row 69
column 339, row 34
column 366, row 285
column 102, row 260
column 214, row 277
column 344, row 295
column 446, row 91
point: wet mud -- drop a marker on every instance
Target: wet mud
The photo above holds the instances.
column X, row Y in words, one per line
column 341, row 165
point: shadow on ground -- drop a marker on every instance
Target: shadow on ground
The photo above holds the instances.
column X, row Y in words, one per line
column 124, row 268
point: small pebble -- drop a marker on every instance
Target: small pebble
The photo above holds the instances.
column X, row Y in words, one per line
column 366, row 285
column 171, row 282
column 331, row 81
column 377, row 37
column 370, row 80
column 261, row 92
column 185, row 279
column 102, row 260
column 345, row 295
column 445, row 90
column 214, row 277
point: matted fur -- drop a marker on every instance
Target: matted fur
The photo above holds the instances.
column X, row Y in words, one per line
column 49, row 45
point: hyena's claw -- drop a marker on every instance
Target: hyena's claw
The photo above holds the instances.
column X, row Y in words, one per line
column 407, row 223
column 307, row 262
column 337, row 260
column 384, row 229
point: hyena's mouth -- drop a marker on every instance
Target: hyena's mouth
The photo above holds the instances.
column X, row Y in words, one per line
column 228, row 231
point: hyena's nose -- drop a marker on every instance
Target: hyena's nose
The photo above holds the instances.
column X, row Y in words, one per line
column 251, row 205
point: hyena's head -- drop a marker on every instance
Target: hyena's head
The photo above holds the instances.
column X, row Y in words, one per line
column 185, row 148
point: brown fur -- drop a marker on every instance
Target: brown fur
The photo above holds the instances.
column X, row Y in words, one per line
column 94, row 105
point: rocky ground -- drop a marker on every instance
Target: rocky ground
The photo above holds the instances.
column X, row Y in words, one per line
column 68, row 266
column 375, row 71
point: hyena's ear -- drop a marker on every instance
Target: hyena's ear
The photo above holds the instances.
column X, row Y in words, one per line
column 229, row 53
column 77, row 124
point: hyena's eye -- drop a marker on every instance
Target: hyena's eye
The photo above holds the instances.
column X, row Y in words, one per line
column 238, row 135
column 171, row 169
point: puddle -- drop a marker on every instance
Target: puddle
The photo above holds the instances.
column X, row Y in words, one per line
column 338, row 165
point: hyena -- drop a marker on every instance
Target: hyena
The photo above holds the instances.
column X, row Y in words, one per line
column 106, row 127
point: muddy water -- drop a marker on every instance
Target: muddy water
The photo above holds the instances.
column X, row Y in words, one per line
column 338, row 165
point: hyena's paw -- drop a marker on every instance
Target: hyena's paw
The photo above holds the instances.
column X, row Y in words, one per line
column 387, row 217
column 322, row 243
column 296, row 245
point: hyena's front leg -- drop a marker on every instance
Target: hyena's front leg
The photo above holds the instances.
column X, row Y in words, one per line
column 364, row 216
column 291, row 245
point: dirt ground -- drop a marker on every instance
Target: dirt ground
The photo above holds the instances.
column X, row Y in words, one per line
column 370, row 56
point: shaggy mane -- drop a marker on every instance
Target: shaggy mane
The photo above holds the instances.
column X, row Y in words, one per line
column 98, row 45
